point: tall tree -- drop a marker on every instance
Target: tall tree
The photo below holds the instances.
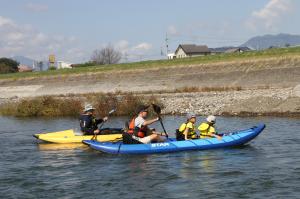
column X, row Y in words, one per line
column 8, row 65
column 106, row 55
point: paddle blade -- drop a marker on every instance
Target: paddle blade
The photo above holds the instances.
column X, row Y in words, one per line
column 156, row 109
column 112, row 111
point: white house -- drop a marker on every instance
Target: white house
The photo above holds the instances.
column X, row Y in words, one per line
column 62, row 64
column 191, row 50
column 171, row 56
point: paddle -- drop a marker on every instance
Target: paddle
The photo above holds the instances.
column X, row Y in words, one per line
column 157, row 110
column 109, row 113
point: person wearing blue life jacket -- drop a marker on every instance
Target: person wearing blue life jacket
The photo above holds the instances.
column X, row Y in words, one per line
column 88, row 122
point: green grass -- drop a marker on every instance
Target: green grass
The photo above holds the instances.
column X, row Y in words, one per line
column 270, row 53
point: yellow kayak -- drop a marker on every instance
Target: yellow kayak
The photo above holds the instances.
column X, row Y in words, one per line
column 69, row 136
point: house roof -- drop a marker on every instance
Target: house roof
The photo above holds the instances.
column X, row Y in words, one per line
column 193, row 49
column 237, row 49
column 221, row 49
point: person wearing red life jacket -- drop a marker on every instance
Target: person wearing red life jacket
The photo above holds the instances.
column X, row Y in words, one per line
column 139, row 130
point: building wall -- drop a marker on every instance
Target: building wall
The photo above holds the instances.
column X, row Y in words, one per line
column 61, row 65
column 180, row 53
column 171, row 56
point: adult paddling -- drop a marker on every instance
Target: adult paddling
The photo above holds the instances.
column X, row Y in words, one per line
column 139, row 132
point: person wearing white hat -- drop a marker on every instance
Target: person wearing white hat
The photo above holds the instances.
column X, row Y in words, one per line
column 207, row 129
column 187, row 130
column 88, row 122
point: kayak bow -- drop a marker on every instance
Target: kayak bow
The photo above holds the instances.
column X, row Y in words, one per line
column 69, row 136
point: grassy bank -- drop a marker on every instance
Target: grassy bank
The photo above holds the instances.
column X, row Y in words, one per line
column 49, row 106
column 270, row 53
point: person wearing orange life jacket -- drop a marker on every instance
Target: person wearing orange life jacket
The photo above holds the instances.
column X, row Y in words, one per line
column 139, row 130
column 207, row 129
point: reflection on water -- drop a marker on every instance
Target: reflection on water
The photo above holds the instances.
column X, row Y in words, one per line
column 268, row 167
column 59, row 147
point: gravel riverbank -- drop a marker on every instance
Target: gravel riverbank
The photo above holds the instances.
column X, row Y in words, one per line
column 279, row 77
column 276, row 101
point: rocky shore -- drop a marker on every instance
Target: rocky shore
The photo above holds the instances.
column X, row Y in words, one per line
column 275, row 101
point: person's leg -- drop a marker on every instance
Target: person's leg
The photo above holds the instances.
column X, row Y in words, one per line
column 157, row 137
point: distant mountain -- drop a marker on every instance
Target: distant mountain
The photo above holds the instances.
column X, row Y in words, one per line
column 267, row 41
column 24, row 60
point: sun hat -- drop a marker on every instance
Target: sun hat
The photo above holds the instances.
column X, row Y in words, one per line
column 88, row 107
column 211, row 119
column 190, row 115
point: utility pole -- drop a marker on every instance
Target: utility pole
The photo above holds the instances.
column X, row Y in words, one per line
column 167, row 44
column 161, row 51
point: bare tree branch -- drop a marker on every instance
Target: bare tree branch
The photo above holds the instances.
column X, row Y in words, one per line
column 106, row 55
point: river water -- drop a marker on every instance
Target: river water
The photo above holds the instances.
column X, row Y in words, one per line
column 269, row 167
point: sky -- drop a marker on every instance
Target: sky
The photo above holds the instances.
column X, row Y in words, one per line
column 73, row 29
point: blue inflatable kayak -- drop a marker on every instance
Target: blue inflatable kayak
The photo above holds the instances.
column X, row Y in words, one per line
column 228, row 140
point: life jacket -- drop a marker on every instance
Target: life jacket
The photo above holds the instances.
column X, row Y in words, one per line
column 205, row 130
column 134, row 130
column 191, row 134
column 88, row 124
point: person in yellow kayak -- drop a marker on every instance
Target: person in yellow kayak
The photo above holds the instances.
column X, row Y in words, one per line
column 88, row 122
column 207, row 129
column 138, row 129
column 187, row 130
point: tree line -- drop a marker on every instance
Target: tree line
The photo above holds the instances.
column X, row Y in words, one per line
column 104, row 56
column 8, row 65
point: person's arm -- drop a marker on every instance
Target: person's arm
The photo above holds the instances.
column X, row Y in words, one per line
column 216, row 136
column 99, row 121
column 185, row 133
column 148, row 122
column 212, row 133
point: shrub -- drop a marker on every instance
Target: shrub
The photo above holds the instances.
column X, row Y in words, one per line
column 52, row 68
column 42, row 106
column 8, row 65
column 50, row 106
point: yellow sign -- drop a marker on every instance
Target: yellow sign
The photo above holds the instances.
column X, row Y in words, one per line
column 52, row 58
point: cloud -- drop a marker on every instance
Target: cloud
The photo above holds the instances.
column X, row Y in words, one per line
column 142, row 47
column 270, row 15
column 18, row 39
column 33, row 7
column 133, row 52
column 122, row 46
column 5, row 21
column 172, row 30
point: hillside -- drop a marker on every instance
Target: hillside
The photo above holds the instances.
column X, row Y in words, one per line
column 159, row 64
column 24, row 60
column 267, row 41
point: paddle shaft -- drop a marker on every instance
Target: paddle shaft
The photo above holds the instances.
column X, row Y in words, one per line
column 95, row 135
column 162, row 125
column 157, row 110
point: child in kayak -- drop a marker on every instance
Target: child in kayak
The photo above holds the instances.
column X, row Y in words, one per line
column 139, row 130
column 187, row 130
column 207, row 129
column 88, row 122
